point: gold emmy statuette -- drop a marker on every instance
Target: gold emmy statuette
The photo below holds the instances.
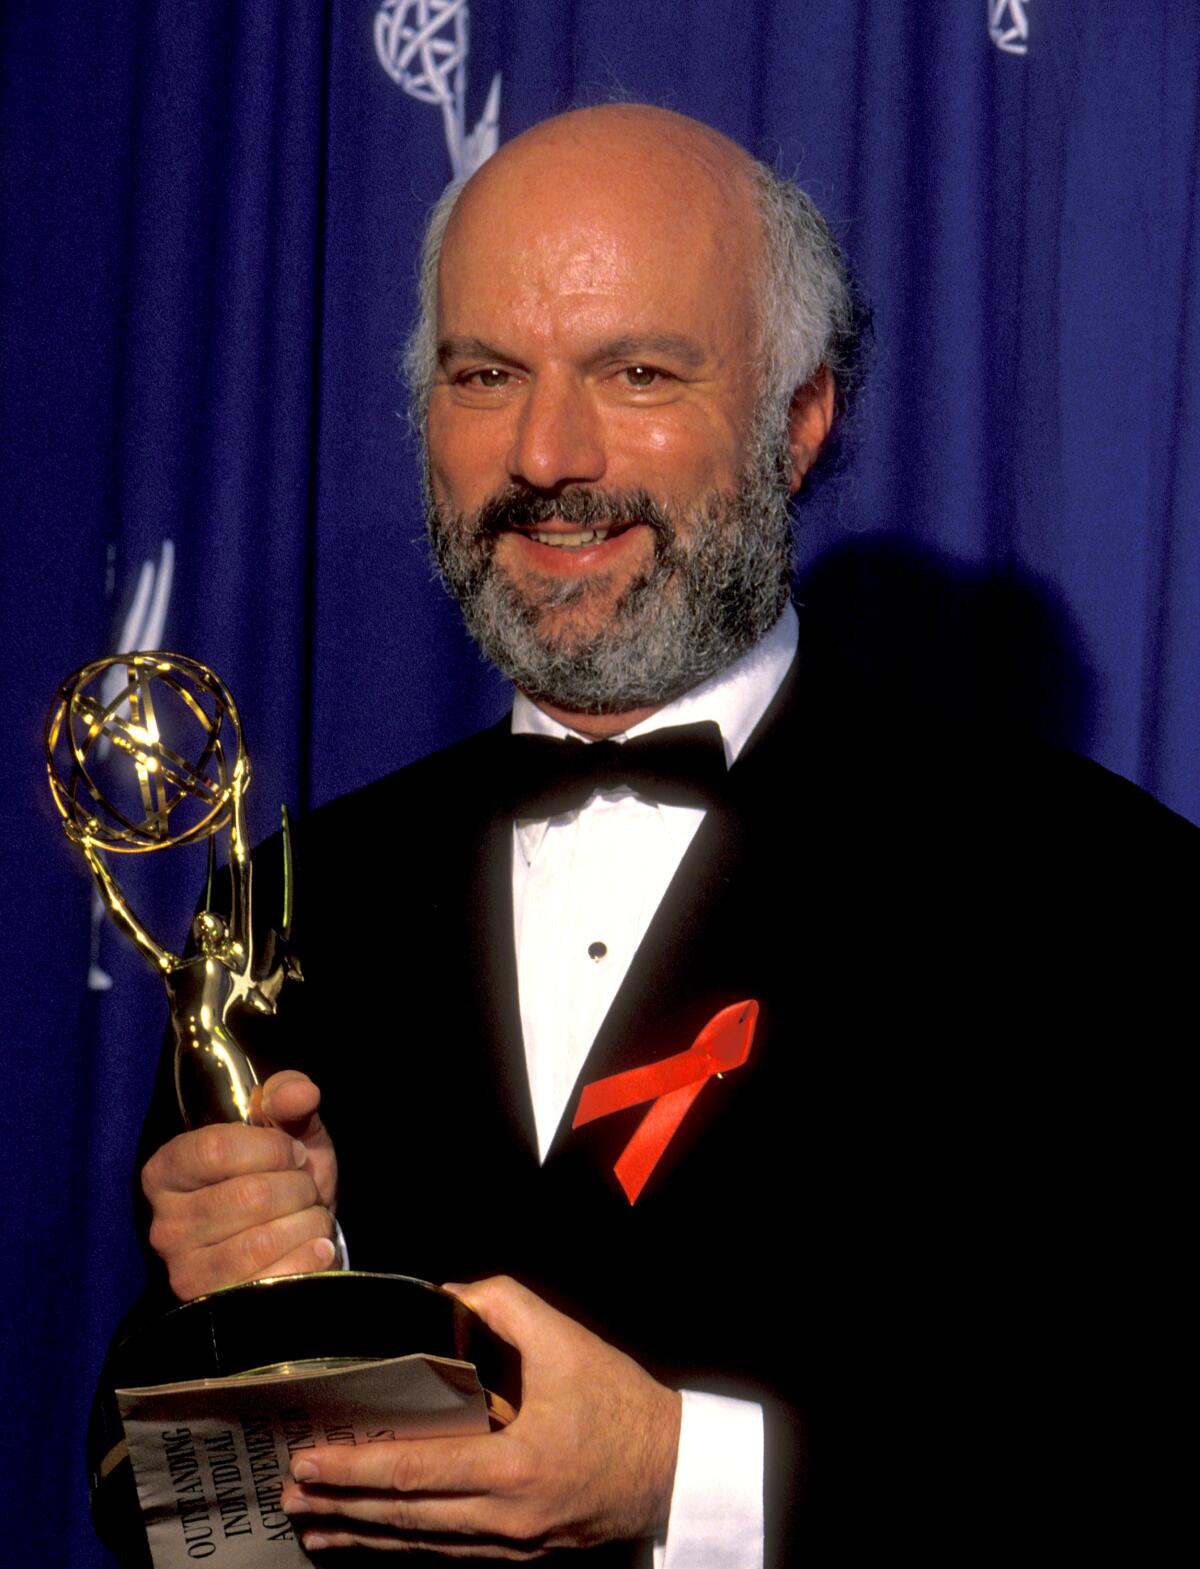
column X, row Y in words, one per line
column 145, row 752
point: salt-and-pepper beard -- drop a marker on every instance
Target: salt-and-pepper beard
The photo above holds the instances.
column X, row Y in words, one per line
column 713, row 589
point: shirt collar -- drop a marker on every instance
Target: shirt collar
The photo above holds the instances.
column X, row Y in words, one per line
column 735, row 699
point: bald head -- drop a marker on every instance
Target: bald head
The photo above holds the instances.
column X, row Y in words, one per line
column 660, row 131
column 609, row 130
column 673, row 166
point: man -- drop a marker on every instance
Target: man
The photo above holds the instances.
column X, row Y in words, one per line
column 630, row 361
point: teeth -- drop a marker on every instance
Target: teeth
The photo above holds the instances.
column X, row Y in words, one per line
column 575, row 541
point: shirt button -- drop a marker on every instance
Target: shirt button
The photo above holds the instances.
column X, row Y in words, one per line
column 597, row 950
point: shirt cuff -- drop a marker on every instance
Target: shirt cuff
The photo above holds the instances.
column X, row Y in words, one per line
column 716, row 1519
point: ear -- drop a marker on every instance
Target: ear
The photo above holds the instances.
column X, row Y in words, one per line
column 809, row 419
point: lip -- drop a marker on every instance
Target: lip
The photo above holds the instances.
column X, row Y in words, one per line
column 556, row 560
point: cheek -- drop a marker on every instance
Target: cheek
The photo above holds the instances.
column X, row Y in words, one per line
column 660, row 441
column 466, row 457
column 676, row 457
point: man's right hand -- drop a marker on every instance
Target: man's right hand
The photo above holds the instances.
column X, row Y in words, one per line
column 232, row 1203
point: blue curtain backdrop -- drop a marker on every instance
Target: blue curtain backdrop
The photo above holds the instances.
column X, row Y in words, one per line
column 211, row 213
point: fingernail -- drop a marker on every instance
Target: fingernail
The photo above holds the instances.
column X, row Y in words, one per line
column 314, row 1541
column 305, row 1470
column 299, row 1153
column 454, row 1287
column 325, row 1250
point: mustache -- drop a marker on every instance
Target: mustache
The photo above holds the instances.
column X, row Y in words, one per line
column 517, row 508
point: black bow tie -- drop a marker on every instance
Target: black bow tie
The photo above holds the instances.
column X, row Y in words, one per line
column 680, row 765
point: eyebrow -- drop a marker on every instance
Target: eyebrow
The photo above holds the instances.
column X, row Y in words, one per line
column 685, row 351
column 468, row 349
column 636, row 346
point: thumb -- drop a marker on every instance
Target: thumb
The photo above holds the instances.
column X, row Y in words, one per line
column 510, row 1310
column 290, row 1101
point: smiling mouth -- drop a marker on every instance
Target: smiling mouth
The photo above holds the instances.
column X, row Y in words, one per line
column 577, row 520
column 575, row 539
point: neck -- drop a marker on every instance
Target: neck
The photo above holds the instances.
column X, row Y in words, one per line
column 597, row 727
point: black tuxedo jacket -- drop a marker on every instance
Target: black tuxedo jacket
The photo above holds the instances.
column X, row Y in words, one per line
column 929, row 1224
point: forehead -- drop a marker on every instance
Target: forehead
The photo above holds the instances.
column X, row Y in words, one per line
column 568, row 237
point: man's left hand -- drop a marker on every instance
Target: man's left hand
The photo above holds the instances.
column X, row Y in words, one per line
column 590, row 1457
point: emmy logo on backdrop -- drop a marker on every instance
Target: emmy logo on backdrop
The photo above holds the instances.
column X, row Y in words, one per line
column 423, row 46
column 1008, row 26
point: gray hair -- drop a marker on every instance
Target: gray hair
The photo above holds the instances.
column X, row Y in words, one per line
column 420, row 352
column 811, row 311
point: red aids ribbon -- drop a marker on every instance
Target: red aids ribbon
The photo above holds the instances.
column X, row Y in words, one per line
column 673, row 1084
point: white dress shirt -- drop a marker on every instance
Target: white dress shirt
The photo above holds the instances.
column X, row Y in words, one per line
column 586, row 885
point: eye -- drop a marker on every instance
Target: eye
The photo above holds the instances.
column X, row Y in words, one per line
column 490, row 378
column 641, row 376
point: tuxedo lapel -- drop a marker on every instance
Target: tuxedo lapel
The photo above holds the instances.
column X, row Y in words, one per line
column 492, row 999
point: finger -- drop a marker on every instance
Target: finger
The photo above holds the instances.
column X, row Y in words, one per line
column 514, row 1312
column 213, row 1154
column 254, row 1254
column 422, row 1465
column 330, row 1537
column 428, row 1516
column 316, row 1255
column 290, row 1100
column 210, row 1215
column 423, row 1517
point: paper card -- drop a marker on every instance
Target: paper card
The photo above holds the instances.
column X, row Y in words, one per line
column 211, row 1457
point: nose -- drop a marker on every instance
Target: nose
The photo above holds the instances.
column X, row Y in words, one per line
column 558, row 439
